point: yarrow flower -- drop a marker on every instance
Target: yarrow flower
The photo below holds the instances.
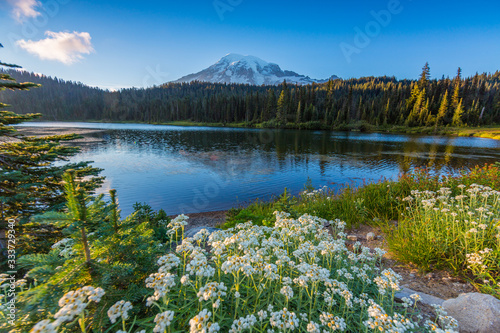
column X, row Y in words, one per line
column 200, row 323
column 168, row 262
column 119, row 309
column 74, row 302
column 162, row 283
column 379, row 320
column 163, row 320
column 72, row 305
column 389, row 280
column 334, row 323
column 284, row 320
column 212, row 290
column 313, row 327
column 287, row 291
column 244, row 323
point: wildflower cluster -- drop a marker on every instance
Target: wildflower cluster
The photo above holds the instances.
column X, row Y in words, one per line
column 120, row 309
column 176, row 226
column 460, row 232
column 293, row 277
column 315, row 193
column 72, row 305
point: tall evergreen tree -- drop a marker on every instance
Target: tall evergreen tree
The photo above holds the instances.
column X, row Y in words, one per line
column 281, row 110
column 457, row 116
column 30, row 182
column 424, row 77
column 455, row 99
column 443, row 109
column 298, row 118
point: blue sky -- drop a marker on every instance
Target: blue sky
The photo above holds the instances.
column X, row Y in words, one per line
column 123, row 43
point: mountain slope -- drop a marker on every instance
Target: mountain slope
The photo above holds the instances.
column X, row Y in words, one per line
column 235, row 68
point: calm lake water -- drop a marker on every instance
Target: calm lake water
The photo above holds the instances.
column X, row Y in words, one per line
column 195, row 169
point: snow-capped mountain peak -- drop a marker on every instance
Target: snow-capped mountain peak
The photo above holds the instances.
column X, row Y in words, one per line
column 236, row 68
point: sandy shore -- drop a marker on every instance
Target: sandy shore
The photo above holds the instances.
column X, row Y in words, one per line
column 86, row 133
column 207, row 219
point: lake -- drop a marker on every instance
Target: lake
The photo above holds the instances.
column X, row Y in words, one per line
column 197, row 169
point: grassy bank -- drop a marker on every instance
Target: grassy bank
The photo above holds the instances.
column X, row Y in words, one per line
column 492, row 132
column 464, row 239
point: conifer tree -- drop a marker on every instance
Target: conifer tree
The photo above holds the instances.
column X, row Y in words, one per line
column 29, row 180
column 424, row 77
column 281, row 110
column 298, row 118
column 455, row 99
column 457, row 116
column 443, row 109
column 114, row 255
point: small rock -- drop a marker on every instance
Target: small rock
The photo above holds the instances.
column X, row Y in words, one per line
column 380, row 237
column 424, row 298
column 475, row 312
column 370, row 236
column 352, row 238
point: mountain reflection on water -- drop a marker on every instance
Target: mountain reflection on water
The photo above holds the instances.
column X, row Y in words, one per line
column 193, row 169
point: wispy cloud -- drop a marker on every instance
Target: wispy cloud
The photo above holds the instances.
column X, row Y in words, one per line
column 65, row 47
column 24, row 8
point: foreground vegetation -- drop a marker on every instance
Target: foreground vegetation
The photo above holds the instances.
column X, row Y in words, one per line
column 419, row 207
column 294, row 276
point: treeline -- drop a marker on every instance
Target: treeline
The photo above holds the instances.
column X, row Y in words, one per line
column 376, row 101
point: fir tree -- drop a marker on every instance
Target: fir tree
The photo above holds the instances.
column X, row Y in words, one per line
column 298, row 118
column 424, row 77
column 281, row 110
column 117, row 258
column 29, row 180
column 457, row 116
column 455, row 99
column 443, row 109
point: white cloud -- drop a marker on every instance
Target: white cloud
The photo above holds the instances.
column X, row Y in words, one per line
column 65, row 47
column 24, row 8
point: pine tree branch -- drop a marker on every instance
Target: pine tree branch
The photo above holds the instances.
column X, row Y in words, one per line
column 9, row 65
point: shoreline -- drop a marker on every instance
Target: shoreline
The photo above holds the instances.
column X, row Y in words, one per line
column 486, row 132
column 204, row 219
column 85, row 133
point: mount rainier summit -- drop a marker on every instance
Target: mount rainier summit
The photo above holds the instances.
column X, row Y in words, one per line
column 239, row 69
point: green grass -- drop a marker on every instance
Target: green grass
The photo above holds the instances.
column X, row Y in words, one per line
column 492, row 132
column 481, row 132
column 367, row 204
column 460, row 233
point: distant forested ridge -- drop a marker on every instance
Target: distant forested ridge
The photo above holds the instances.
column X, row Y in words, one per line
column 375, row 101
